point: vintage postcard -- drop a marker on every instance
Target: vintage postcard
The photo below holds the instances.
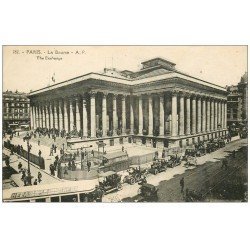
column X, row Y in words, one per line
column 125, row 124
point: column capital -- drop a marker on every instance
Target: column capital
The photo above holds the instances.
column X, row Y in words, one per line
column 175, row 92
column 186, row 94
column 76, row 97
column 92, row 93
column 104, row 94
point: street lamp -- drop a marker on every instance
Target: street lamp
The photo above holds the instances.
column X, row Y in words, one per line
column 28, row 137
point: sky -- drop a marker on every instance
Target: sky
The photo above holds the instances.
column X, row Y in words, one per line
column 28, row 68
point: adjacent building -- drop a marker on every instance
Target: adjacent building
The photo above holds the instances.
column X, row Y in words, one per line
column 237, row 103
column 15, row 109
column 158, row 106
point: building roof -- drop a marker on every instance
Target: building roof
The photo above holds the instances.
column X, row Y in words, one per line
column 153, row 70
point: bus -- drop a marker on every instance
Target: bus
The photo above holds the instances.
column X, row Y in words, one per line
column 66, row 191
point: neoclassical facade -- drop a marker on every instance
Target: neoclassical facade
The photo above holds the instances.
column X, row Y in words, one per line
column 158, row 106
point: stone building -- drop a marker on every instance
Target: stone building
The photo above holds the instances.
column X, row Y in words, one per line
column 157, row 105
column 237, row 102
column 15, row 109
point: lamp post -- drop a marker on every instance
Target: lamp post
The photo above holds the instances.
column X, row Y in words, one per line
column 28, row 150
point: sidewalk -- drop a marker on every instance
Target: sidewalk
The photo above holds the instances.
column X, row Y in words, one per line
column 14, row 161
column 35, row 149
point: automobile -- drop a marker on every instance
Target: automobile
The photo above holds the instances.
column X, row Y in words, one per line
column 193, row 152
column 158, row 166
column 110, row 181
column 221, row 143
column 191, row 160
column 134, row 175
column 174, row 161
column 211, row 147
column 147, row 192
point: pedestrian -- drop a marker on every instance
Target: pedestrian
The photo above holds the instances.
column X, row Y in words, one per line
column 39, row 177
column 55, row 148
column 182, row 184
column 51, row 151
column 52, row 170
column 234, row 154
column 89, row 165
column 35, row 182
column 224, row 164
column 29, row 177
column 19, row 166
column 23, row 175
column 39, row 153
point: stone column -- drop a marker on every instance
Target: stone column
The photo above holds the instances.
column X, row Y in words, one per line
column 31, row 117
column 204, row 114
column 212, row 115
column 66, row 119
column 85, row 117
column 219, row 112
column 37, row 117
column 60, row 106
column 71, row 115
column 150, row 115
column 104, row 115
column 51, row 115
column 47, row 116
column 174, row 128
column 161, row 114
column 222, row 114
column 194, row 115
column 55, row 115
column 199, row 115
column 181, row 115
column 208, row 115
column 140, row 115
column 215, row 115
column 78, row 118
column 44, row 117
column 124, row 114
column 131, row 115
column 115, row 115
column 92, row 114
column 225, row 115
column 188, row 120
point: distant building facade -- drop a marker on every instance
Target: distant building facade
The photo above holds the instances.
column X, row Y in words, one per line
column 237, row 102
column 15, row 109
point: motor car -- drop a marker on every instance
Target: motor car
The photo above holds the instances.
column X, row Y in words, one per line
column 158, row 166
column 110, row 181
column 135, row 174
column 191, row 160
column 147, row 192
column 174, row 161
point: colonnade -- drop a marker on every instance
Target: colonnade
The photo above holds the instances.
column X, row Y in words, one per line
column 175, row 113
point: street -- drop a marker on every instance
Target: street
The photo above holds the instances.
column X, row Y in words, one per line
column 195, row 177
